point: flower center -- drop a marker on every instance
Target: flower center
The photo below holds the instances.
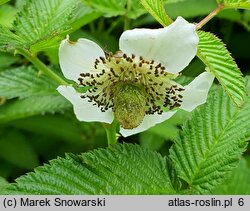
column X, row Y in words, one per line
column 131, row 86
column 129, row 104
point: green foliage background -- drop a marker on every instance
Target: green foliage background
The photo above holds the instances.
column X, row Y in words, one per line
column 201, row 152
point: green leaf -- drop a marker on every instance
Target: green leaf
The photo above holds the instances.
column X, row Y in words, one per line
column 7, row 15
column 216, row 57
column 121, row 169
column 15, row 149
column 35, row 105
column 39, row 31
column 169, row 129
column 39, row 25
column 8, row 40
column 3, row 183
column 151, row 141
column 3, row 1
column 24, row 82
column 238, row 183
column 6, row 60
column 136, row 9
column 6, row 169
column 108, row 7
column 37, row 94
column 84, row 15
column 157, row 10
column 67, row 129
column 44, row 20
column 232, row 15
column 211, row 142
column 239, row 4
column 189, row 8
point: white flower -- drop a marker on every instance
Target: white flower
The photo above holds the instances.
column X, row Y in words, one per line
column 135, row 85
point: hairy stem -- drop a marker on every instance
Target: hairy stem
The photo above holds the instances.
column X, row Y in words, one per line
column 111, row 132
column 126, row 18
column 126, row 23
column 41, row 66
column 209, row 17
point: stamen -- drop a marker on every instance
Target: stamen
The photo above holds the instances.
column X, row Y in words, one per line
column 131, row 70
column 103, row 60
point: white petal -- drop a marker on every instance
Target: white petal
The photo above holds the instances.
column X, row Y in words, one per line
column 196, row 92
column 78, row 57
column 148, row 121
column 174, row 46
column 84, row 110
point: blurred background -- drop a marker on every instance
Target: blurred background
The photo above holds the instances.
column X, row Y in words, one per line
column 30, row 139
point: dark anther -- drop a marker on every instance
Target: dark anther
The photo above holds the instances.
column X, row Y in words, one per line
column 160, row 112
column 84, row 74
column 103, row 59
column 177, row 104
column 157, row 66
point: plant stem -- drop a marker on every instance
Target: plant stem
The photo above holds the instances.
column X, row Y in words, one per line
column 126, row 23
column 41, row 66
column 126, row 18
column 209, row 17
column 113, row 25
column 111, row 132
